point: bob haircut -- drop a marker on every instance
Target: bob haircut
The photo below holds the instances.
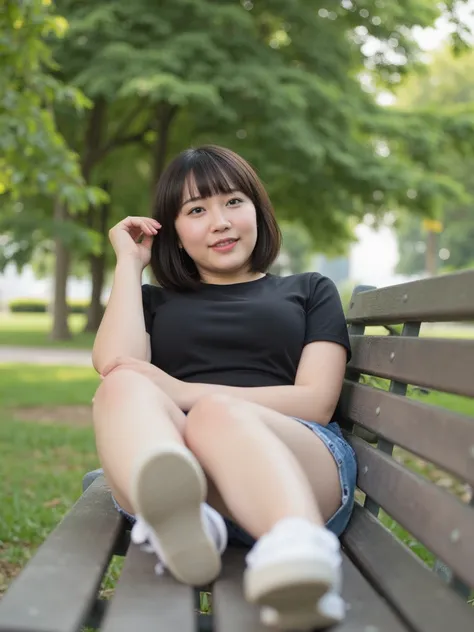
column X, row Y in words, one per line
column 215, row 170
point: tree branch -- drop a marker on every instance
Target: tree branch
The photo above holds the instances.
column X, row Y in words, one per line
column 119, row 139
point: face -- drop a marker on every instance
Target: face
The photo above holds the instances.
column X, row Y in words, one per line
column 219, row 233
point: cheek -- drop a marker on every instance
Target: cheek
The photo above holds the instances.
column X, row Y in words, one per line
column 248, row 223
column 191, row 234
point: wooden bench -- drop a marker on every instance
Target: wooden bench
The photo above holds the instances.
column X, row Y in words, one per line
column 387, row 588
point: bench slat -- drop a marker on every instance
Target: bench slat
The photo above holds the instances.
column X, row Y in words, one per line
column 233, row 614
column 57, row 588
column 436, row 518
column 436, row 434
column 416, row 361
column 146, row 602
column 415, row 591
column 366, row 609
column 441, row 299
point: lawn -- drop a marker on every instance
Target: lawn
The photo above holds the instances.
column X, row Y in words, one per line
column 41, row 466
column 42, row 463
column 32, row 330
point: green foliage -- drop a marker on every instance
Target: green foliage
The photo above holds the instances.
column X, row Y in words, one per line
column 34, row 157
column 279, row 82
column 40, row 306
column 445, row 85
column 297, row 248
column 28, row 305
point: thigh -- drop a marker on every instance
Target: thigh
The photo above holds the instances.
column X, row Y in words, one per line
column 314, row 458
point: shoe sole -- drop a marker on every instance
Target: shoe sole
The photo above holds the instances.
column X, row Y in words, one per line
column 168, row 489
column 292, row 591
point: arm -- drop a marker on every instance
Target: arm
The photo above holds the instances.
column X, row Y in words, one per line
column 313, row 397
column 122, row 330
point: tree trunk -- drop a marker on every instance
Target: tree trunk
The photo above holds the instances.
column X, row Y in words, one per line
column 164, row 117
column 60, row 329
column 97, row 267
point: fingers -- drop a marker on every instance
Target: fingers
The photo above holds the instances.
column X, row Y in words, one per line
column 146, row 225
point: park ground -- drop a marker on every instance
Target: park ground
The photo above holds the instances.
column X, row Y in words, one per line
column 47, row 444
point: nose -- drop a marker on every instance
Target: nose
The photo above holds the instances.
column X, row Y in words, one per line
column 220, row 222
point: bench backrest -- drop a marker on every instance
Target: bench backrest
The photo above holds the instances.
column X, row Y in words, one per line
column 436, row 437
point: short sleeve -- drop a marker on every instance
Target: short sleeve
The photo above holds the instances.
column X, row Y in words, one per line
column 325, row 319
column 147, row 307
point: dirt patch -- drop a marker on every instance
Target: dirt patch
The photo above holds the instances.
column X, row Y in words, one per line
column 70, row 415
column 7, row 572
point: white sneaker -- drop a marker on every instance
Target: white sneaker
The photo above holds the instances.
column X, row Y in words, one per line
column 187, row 535
column 294, row 573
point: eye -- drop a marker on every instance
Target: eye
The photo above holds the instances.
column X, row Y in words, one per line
column 196, row 210
column 234, row 201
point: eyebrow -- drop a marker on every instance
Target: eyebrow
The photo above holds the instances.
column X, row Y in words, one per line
column 196, row 198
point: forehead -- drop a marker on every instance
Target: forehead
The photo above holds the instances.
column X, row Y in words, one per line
column 206, row 185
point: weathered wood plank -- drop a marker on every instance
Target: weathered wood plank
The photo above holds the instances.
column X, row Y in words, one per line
column 417, row 361
column 57, row 588
column 415, row 592
column 445, row 298
column 147, row 602
column 436, row 434
column 433, row 516
column 233, row 614
column 366, row 610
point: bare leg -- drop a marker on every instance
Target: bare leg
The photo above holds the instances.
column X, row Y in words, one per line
column 280, row 482
column 131, row 416
column 266, row 466
column 152, row 474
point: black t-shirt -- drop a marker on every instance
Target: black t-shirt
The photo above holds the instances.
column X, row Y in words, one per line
column 244, row 334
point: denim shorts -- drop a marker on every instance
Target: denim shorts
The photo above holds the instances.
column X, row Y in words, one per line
column 345, row 458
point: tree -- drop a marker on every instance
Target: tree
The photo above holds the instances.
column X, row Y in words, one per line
column 446, row 82
column 35, row 161
column 279, row 82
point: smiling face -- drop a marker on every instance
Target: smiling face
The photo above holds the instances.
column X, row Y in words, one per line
column 218, row 224
column 218, row 233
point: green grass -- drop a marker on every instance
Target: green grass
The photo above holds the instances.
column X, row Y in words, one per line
column 41, row 466
column 30, row 385
column 32, row 330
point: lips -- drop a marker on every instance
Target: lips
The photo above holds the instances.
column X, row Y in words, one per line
column 224, row 242
column 224, row 245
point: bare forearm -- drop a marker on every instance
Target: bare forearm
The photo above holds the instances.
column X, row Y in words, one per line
column 295, row 401
column 122, row 330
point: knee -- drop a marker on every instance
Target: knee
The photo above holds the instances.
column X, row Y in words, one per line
column 210, row 415
column 124, row 382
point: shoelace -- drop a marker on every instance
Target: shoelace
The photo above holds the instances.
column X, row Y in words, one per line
column 149, row 542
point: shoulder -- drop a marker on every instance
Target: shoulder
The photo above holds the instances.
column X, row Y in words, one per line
column 152, row 296
column 307, row 284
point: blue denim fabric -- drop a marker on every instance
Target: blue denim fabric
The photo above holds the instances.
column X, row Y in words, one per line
column 345, row 458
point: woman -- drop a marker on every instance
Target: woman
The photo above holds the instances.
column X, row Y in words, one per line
column 215, row 415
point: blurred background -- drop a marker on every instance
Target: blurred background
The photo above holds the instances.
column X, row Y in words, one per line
column 357, row 114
